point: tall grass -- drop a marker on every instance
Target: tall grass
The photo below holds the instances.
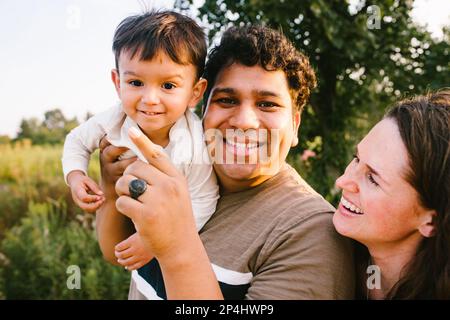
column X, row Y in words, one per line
column 42, row 232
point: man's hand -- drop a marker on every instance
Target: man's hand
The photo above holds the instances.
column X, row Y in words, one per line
column 163, row 215
column 132, row 254
column 85, row 191
column 112, row 168
column 163, row 218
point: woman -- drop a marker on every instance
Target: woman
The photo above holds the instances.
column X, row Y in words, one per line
column 395, row 202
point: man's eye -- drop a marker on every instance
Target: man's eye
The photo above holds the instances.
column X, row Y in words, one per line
column 168, row 85
column 267, row 104
column 226, row 101
column 136, row 83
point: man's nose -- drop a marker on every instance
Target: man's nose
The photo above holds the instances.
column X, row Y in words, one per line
column 150, row 96
column 347, row 181
column 244, row 117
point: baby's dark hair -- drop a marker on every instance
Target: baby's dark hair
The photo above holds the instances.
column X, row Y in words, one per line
column 178, row 36
column 258, row 45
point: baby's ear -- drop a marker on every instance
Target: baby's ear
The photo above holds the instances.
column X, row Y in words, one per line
column 198, row 91
column 427, row 227
column 116, row 80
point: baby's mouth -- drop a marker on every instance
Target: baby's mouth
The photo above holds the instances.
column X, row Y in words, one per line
column 151, row 113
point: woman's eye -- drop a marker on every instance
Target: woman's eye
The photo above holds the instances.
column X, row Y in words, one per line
column 371, row 179
column 168, row 85
column 355, row 157
column 136, row 83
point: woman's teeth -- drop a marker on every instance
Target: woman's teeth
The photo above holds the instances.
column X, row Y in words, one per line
column 351, row 207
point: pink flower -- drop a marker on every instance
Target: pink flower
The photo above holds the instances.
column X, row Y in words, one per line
column 308, row 154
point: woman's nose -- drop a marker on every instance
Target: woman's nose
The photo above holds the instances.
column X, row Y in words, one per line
column 347, row 182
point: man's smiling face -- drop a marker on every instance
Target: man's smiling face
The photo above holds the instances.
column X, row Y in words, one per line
column 253, row 111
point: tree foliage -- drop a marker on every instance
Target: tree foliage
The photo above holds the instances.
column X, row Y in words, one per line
column 366, row 57
column 52, row 130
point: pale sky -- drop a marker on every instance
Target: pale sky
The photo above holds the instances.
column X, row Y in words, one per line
column 57, row 54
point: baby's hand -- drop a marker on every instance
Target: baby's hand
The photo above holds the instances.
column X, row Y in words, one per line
column 131, row 253
column 85, row 191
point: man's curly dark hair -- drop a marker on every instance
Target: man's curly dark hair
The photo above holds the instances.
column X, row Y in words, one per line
column 252, row 45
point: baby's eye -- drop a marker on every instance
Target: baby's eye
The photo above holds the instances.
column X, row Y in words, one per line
column 168, row 85
column 136, row 83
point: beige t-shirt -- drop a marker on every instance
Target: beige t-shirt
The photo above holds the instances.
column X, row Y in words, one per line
column 274, row 241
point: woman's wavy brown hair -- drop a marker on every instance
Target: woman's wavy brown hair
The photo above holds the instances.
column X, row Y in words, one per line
column 424, row 125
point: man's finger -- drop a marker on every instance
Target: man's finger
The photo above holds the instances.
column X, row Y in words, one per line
column 122, row 185
column 123, row 164
column 129, row 207
column 111, row 153
column 103, row 143
column 142, row 170
column 152, row 153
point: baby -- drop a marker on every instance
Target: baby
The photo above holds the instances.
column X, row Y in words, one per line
column 159, row 57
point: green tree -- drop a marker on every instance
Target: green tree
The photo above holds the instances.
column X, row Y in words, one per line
column 52, row 130
column 365, row 56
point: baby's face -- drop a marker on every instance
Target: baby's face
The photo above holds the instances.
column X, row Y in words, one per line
column 155, row 93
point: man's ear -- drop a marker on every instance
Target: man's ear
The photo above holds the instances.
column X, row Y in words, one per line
column 198, row 91
column 116, row 80
column 297, row 120
column 427, row 227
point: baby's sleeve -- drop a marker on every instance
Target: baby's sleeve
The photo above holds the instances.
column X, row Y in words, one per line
column 196, row 166
column 204, row 192
column 80, row 143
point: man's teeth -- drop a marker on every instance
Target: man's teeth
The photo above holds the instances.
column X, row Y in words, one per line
column 242, row 145
column 350, row 206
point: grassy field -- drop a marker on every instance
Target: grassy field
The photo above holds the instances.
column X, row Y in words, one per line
column 42, row 232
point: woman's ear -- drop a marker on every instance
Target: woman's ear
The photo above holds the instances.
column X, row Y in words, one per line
column 198, row 91
column 427, row 227
column 116, row 80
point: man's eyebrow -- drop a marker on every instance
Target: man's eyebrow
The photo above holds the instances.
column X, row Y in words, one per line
column 375, row 172
column 266, row 93
column 223, row 90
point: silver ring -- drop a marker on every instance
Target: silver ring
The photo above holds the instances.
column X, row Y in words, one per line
column 137, row 187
